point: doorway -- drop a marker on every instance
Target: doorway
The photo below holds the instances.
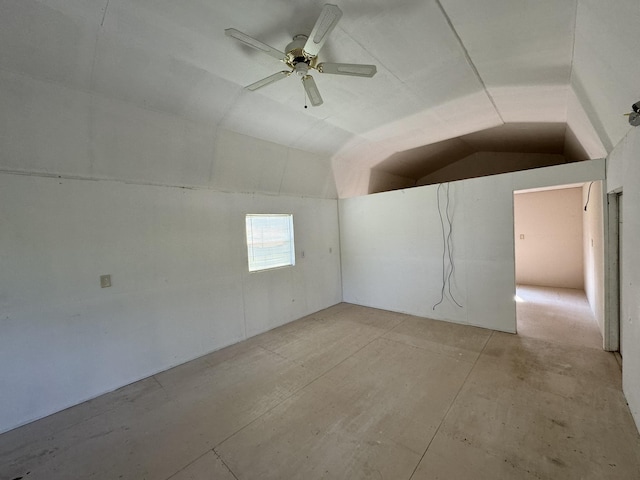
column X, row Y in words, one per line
column 558, row 268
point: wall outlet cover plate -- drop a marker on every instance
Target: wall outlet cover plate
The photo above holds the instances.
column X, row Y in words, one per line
column 105, row 281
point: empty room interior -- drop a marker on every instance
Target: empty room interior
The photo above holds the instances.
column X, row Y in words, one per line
column 559, row 256
column 298, row 240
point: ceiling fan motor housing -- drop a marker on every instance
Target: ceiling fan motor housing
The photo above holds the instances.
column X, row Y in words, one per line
column 296, row 54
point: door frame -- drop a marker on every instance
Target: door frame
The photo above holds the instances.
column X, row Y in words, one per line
column 612, row 274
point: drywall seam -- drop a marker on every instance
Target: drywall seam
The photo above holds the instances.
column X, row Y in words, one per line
column 149, row 184
column 469, row 60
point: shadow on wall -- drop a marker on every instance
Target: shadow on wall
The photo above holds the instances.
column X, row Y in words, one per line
column 479, row 164
column 483, row 164
column 507, row 148
column 380, row 181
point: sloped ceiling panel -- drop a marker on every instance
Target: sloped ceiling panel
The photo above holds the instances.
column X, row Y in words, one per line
column 420, row 161
column 605, row 67
column 446, row 69
column 519, row 137
column 517, row 42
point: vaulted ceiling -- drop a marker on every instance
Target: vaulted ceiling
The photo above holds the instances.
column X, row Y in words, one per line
column 455, row 77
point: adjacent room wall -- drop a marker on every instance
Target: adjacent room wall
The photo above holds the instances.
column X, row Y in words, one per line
column 548, row 238
column 593, row 250
column 181, row 288
column 392, row 246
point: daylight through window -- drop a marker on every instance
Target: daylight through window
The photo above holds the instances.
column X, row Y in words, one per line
column 270, row 241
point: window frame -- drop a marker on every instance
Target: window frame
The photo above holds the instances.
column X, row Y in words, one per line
column 255, row 260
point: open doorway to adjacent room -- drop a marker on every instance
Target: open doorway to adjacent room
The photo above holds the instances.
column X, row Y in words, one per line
column 559, row 256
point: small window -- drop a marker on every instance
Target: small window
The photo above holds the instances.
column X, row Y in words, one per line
column 270, row 241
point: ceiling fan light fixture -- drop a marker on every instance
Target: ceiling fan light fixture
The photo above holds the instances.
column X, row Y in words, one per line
column 301, row 68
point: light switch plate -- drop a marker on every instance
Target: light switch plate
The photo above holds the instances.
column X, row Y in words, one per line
column 105, row 281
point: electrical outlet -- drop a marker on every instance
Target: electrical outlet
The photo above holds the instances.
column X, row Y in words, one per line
column 521, row 236
column 105, row 281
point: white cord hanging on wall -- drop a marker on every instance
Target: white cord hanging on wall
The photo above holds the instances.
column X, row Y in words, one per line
column 447, row 244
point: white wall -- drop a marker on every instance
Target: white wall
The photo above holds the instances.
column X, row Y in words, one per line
column 623, row 174
column 392, row 246
column 139, row 196
column 181, row 288
column 49, row 129
column 551, row 252
column 605, row 79
column 593, row 250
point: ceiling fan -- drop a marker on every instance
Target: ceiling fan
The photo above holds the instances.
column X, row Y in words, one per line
column 302, row 55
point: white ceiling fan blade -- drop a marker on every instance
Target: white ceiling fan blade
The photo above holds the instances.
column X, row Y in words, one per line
column 312, row 90
column 252, row 42
column 325, row 24
column 353, row 69
column 268, row 81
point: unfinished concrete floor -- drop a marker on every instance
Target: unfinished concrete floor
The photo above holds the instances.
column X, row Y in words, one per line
column 355, row 393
